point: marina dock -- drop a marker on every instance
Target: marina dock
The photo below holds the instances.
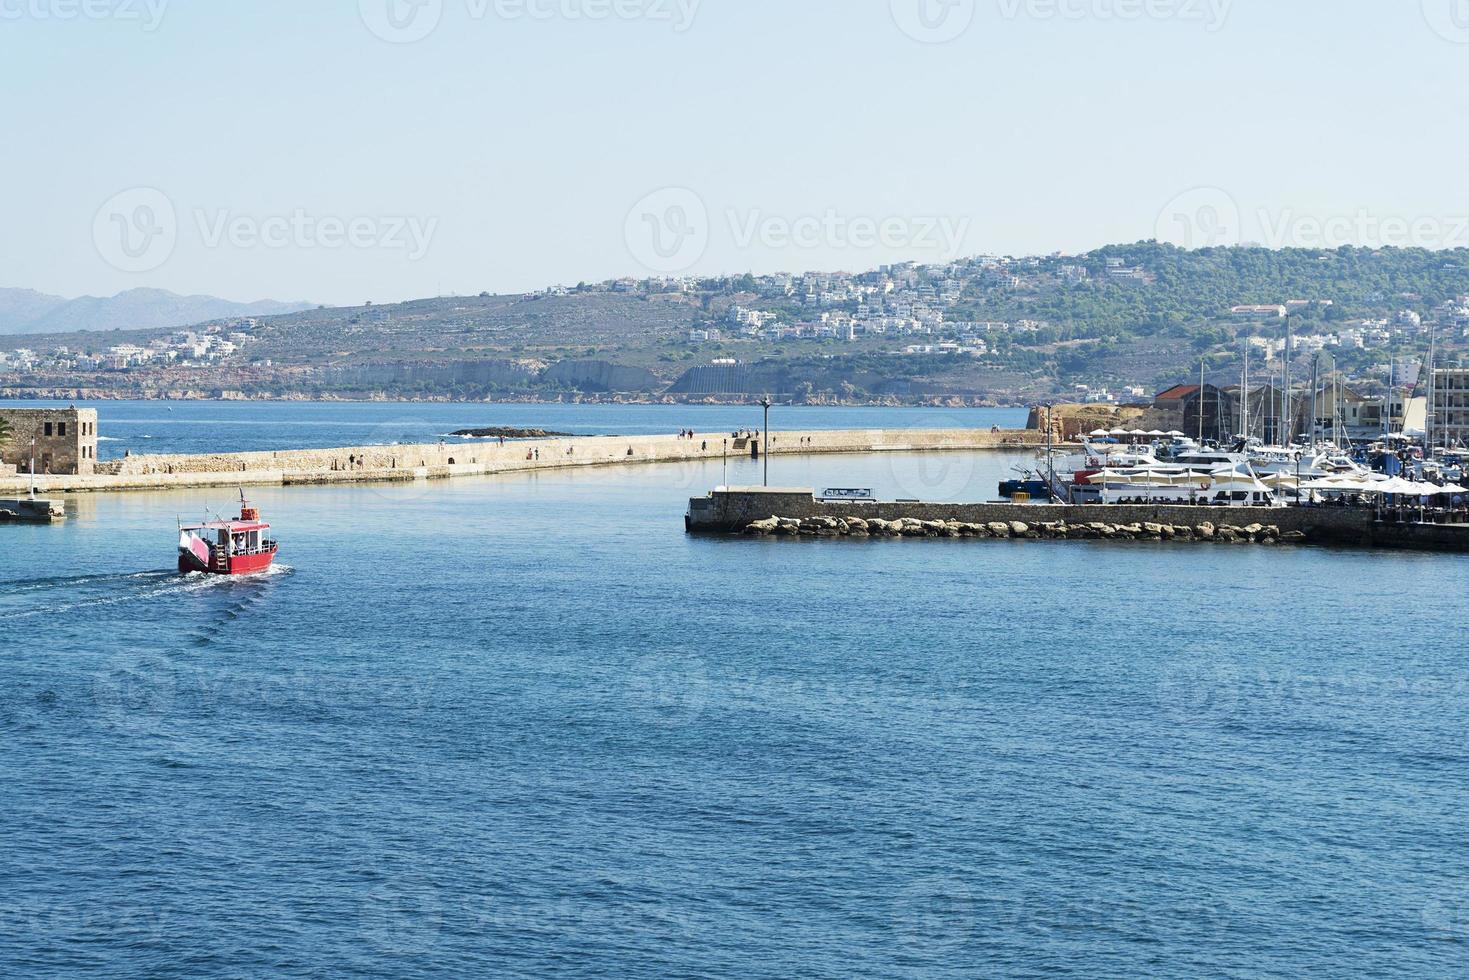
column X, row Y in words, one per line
column 37, row 510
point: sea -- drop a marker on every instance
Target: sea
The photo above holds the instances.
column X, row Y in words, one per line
column 525, row 726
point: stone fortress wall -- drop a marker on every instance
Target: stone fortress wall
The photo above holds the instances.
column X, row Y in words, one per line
column 65, row 441
column 485, row 457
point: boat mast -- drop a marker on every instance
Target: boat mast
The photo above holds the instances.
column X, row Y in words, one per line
column 1290, row 421
column 1387, row 413
column 1315, row 411
column 1244, row 411
column 1201, row 401
column 1429, row 426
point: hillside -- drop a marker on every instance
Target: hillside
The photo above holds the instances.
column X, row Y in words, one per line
column 981, row 330
column 24, row 311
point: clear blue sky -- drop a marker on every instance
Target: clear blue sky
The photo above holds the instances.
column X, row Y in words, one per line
column 518, row 146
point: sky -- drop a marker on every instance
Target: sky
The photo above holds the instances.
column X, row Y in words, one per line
column 339, row 151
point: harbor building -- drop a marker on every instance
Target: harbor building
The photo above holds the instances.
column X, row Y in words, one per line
column 63, row 441
column 1450, row 407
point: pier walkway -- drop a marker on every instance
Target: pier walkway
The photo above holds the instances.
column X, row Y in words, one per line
column 368, row 464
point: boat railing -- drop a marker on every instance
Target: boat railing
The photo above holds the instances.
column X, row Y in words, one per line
column 265, row 547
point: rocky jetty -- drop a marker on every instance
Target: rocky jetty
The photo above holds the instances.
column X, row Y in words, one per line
column 852, row 527
column 504, row 432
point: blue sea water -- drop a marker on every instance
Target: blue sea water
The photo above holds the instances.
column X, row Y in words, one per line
column 523, row 726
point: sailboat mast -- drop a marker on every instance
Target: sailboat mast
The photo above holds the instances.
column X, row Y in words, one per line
column 1244, row 397
column 1201, row 401
column 1387, row 413
column 1430, row 426
column 1315, row 410
column 1290, row 420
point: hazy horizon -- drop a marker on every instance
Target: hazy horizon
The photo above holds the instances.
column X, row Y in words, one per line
column 399, row 149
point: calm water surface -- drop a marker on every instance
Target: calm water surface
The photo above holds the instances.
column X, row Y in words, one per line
column 523, row 726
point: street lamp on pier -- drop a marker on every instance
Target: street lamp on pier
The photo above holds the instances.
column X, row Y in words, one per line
column 765, row 404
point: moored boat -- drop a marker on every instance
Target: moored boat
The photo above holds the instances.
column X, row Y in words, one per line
column 241, row 546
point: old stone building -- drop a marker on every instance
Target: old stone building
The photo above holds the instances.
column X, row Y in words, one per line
column 65, row 440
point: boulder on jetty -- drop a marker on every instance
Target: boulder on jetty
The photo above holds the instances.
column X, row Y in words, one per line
column 506, row 432
column 768, row 526
column 909, row 527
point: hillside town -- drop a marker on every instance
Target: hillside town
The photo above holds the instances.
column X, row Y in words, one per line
column 1107, row 327
column 208, row 345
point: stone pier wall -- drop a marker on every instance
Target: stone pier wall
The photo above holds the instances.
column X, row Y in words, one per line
column 734, row 510
column 483, row 457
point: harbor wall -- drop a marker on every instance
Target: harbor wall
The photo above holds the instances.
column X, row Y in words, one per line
column 362, row 464
column 735, row 509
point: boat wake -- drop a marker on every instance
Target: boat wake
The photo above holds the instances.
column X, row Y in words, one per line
column 92, row 591
column 34, row 584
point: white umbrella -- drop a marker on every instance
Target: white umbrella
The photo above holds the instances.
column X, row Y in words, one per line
column 1137, row 432
column 1175, row 434
column 1452, row 488
column 1157, row 433
column 1118, row 432
column 1100, row 434
column 1398, row 487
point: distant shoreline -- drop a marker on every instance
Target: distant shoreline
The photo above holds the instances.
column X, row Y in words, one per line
column 76, row 395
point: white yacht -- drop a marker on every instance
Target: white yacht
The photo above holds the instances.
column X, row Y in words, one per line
column 1307, row 463
column 1179, row 485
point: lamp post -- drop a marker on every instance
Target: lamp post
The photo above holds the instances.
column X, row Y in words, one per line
column 33, row 468
column 765, row 404
column 1050, row 458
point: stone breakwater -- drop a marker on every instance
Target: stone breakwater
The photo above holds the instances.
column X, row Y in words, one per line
column 383, row 463
column 856, row 527
column 735, row 510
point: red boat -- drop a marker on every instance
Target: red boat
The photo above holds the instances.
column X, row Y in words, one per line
column 237, row 547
